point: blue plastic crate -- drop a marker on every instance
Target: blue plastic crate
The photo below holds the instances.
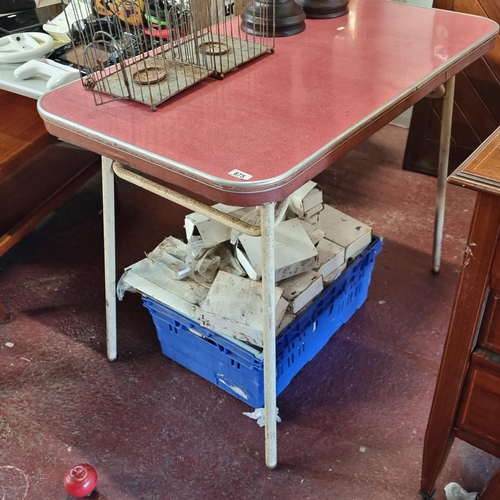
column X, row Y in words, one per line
column 237, row 367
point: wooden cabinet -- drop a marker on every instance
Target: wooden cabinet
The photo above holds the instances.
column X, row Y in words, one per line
column 37, row 172
column 476, row 111
column 479, row 410
column 489, row 333
column 466, row 401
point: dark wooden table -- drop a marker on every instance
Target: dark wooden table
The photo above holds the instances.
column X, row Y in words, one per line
column 467, row 398
column 37, row 172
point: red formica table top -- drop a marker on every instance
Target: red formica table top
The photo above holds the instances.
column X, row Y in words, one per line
column 286, row 116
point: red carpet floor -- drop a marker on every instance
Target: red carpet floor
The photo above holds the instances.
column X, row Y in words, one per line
column 353, row 419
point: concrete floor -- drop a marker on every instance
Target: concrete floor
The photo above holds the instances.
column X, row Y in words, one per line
column 353, row 419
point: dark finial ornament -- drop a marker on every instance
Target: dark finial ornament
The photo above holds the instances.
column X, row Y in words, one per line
column 257, row 18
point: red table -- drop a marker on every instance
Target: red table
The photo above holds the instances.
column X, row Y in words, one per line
column 280, row 120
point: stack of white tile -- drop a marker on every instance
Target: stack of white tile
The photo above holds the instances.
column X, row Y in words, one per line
column 307, row 202
column 312, row 247
column 233, row 307
column 294, row 252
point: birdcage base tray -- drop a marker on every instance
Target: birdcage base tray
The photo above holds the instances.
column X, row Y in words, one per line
column 224, row 53
column 167, row 76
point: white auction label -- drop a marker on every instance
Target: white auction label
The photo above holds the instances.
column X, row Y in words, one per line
column 240, row 175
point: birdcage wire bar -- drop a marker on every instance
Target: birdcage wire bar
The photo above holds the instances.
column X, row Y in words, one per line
column 150, row 51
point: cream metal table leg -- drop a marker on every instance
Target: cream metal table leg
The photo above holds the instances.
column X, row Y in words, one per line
column 269, row 334
column 444, row 156
column 108, row 215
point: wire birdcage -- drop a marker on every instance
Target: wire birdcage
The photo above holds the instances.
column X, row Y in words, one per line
column 149, row 51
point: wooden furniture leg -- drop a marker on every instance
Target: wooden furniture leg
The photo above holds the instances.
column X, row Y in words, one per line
column 4, row 317
column 466, row 317
column 492, row 489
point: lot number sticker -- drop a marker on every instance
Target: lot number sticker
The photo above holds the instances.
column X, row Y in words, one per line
column 240, row 175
